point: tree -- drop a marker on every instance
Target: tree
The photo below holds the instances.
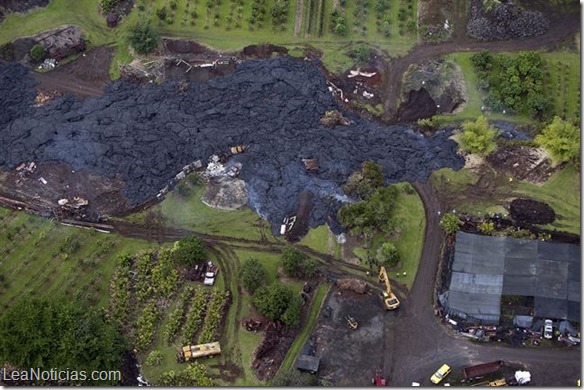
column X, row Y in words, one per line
column 253, row 274
column 272, row 301
column 374, row 214
column 291, row 316
column 143, row 38
column 46, row 333
column 561, row 139
column 388, row 254
column 450, row 223
column 189, row 251
column 292, row 260
column 195, row 374
column 364, row 182
column 37, row 52
column 478, row 137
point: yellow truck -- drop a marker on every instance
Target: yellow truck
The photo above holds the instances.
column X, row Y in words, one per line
column 201, row 350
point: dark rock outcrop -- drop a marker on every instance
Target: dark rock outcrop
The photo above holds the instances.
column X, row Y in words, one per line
column 148, row 133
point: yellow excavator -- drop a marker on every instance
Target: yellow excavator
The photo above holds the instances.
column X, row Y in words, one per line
column 389, row 299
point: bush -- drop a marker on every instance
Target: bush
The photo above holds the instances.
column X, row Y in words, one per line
column 291, row 316
column 253, row 274
column 487, row 227
column 161, row 13
column 108, row 5
column 155, row 358
column 143, row 38
column 450, row 223
column 189, row 252
column 478, row 137
column 273, row 301
column 37, row 52
column 297, row 264
column 387, row 254
column 362, row 53
column 562, row 140
column 364, row 183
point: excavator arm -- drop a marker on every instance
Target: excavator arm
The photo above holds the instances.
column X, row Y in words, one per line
column 389, row 299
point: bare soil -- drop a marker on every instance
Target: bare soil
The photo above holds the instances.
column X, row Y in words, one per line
column 86, row 76
column 522, row 162
column 531, row 211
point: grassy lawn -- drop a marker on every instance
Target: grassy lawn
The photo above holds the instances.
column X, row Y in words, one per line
column 561, row 192
column 188, row 211
column 319, row 297
column 321, row 239
column 561, row 75
column 410, row 210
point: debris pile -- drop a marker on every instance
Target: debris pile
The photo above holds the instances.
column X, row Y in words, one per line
column 146, row 133
column 351, row 284
column 505, row 21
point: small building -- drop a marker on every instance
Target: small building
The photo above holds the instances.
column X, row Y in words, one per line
column 308, row 363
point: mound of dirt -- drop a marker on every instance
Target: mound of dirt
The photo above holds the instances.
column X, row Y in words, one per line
column 531, row 211
column 147, row 133
column 441, row 78
column 505, row 21
column 350, row 284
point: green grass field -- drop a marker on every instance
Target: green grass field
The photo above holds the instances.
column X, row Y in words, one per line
column 563, row 79
column 409, row 242
column 561, row 192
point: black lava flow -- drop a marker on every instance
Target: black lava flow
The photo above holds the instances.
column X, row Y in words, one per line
column 147, row 133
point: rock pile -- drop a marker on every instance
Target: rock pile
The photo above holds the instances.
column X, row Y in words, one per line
column 147, row 133
column 505, row 21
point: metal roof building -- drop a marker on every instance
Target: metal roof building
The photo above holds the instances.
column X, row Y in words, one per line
column 485, row 268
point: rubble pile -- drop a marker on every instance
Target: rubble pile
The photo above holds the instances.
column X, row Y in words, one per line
column 146, row 133
column 505, row 21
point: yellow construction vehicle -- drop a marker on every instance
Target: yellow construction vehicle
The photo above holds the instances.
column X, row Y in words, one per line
column 351, row 322
column 202, row 350
column 389, row 299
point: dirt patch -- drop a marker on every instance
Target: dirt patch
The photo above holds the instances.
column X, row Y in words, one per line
column 53, row 181
column 531, row 211
column 522, row 162
column 263, row 51
column 86, row 76
column 442, row 79
column 226, row 194
column 418, row 106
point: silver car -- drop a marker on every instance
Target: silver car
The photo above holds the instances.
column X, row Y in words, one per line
column 548, row 329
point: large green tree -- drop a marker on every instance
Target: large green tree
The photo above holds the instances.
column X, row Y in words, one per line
column 297, row 264
column 253, row 274
column 372, row 215
column 561, row 139
column 45, row 333
column 478, row 137
column 388, row 254
column 189, row 251
column 143, row 38
column 272, row 301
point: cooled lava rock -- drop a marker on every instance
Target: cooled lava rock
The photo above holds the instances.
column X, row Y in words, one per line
column 531, row 211
column 147, row 133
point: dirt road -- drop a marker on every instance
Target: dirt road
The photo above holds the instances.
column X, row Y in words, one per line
column 418, row 344
column 559, row 31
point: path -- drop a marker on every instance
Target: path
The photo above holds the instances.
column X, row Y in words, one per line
column 558, row 32
column 418, row 344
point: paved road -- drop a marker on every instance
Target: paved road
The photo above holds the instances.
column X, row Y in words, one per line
column 418, row 344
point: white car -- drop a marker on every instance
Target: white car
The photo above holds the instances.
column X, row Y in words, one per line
column 209, row 279
column 548, row 329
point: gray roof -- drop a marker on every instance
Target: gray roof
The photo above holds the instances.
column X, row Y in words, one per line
column 307, row 363
column 484, row 268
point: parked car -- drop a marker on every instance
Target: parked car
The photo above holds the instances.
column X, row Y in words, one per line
column 548, row 329
column 440, row 374
column 209, row 279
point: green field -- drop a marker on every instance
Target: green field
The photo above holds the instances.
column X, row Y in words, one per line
column 39, row 257
column 561, row 75
column 409, row 241
column 561, row 192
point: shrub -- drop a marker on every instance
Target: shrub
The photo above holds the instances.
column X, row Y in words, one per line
column 450, row 223
column 155, row 358
column 37, row 52
column 561, row 139
column 143, row 38
column 253, row 274
column 478, row 137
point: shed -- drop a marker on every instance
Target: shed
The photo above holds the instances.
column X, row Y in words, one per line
column 308, row 363
column 112, row 19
